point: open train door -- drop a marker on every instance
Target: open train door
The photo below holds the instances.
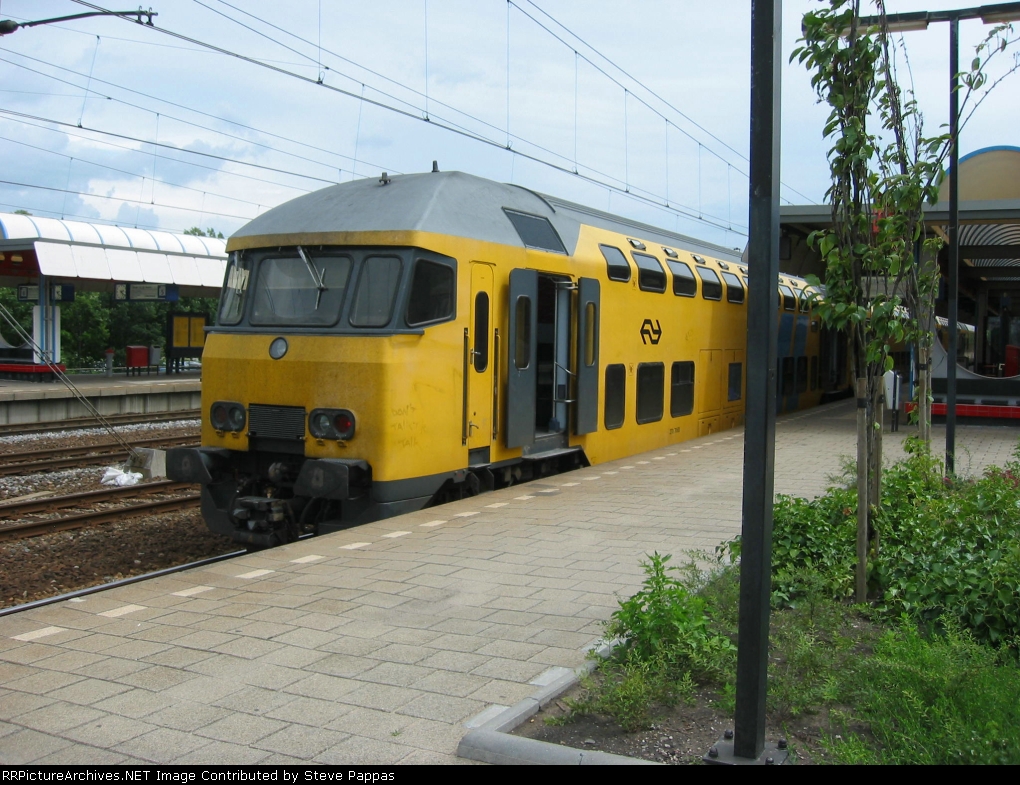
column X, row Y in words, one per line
column 587, row 410
column 522, row 358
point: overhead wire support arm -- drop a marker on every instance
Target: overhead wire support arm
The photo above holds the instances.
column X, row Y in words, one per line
column 8, row 26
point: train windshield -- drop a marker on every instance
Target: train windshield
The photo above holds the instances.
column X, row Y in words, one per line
column 235, row 287
column 300, row 289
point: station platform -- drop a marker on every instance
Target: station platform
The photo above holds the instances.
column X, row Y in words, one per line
column 35, row 402
column 381, row 644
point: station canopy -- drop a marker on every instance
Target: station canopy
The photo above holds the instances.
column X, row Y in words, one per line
column 95, row 257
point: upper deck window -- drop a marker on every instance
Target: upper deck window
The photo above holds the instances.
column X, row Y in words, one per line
column 535, row 231
column 651, row 276
column 377, row 289
column 789, row 301
column 711, row 286
column 300, row 289
column 617, row 264
column 734, row 289
column 684, row 284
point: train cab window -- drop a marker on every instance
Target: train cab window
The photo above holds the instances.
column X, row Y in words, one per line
column 651, row 379
column 377, row 288
column 651, row 276
column 734, row 289
column 684, row 284
column 303, row 289
column 431, row 300
column 616, row 395
column 789, row 301
column 814, row 373
column 619, row 267
column 711, row 286
column 802, row 380
column 681, row 392
column 481, row 347
column 235, row 289
column 802, row 300
column 736, row 382
column 535, row 231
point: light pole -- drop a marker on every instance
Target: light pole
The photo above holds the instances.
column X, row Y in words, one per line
column 8, row 26
column 989, row 14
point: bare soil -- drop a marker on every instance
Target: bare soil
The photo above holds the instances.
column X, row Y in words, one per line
column 680, row 735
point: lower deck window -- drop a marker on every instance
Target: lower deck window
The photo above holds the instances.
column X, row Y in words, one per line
column 802, row 381
column 616, row 395
column 651, row 379
column 787, row 378
column 736, row 381
column 681, row 393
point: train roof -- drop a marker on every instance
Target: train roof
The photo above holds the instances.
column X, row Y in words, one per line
column 451, row 203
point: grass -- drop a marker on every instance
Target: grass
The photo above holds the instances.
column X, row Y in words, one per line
column 926, row 673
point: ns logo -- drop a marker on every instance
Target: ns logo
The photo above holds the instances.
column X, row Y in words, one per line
column 651, row 332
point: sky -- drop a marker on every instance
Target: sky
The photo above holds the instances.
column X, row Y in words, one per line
column 105, row 120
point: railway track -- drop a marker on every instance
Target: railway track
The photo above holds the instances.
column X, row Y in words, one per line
column 91, row 422
column 22, row 529
column 52, row 459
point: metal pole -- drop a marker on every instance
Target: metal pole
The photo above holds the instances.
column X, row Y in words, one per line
column 954, row 240
column 760, row 417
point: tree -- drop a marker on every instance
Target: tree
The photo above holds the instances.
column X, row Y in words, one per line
column 84, row 330
column 194, row 230
column 880, row 276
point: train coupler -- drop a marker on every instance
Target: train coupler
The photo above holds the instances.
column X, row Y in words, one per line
column 262, row 521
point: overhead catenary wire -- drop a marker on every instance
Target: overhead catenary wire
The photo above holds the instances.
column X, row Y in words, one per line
column 603, row 179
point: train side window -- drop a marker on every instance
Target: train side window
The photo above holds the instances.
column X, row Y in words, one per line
column 802, row 381
column 651, row 378
column 684, row 284
column 789, row 301
column 736, row 381
column 681, row 393
column 787, row 377
column 431, row 299
column 711, row 286
column 616, row 395
column 535, row 231
column 619, row 267
column 734, row 289
column 522, row 351
column 651, row 276
column 377, row 288
column 814, row 373
column 481, row 348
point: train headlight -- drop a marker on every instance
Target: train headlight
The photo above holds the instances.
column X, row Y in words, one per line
column 331, row 424
column 278, row 348
column 227, row 416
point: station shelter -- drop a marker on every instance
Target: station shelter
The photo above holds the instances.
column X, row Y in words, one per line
column 47, row 259
column 989, row 271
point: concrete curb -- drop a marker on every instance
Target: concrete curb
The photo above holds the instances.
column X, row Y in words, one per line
column 491, row 742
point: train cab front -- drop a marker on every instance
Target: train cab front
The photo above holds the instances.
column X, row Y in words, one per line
column 301, row 376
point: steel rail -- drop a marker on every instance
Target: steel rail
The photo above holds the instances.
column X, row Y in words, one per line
column 90, row 422
column 47, row 460
column 20, row 531
column 17, row 508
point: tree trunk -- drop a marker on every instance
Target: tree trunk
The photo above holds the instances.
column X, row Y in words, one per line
column 878, row 422
column 923, row 394
column 861, row 592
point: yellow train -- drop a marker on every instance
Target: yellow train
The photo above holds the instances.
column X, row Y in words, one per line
column 382, row 345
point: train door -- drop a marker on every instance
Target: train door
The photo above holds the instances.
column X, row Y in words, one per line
column 734, row 381
column 588, row 320
column 522, row 358
column 710, row 373
column 479, row 371
column 538, row 361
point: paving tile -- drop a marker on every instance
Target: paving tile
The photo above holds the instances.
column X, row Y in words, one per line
column 320, row 685
column 380, row 696
column 241, row 728
column 161, row 745
column 395, row 673
column 42, row 682
column 82, row 755
column 301, row 741
column 186, row 715
column 357, row 750
column 108, row 731
column 254, row 700
column 445, row 708
column 28, row 746
column 87, row 691
column 342, row 665
column 222, row 753
column 58, row 717
column 309, row 711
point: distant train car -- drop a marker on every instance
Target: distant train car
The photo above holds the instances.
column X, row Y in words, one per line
column 382, row 345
